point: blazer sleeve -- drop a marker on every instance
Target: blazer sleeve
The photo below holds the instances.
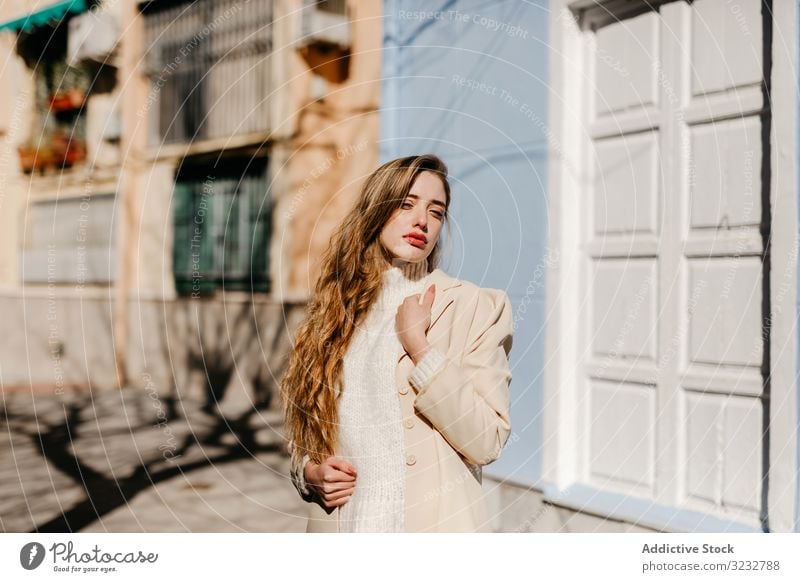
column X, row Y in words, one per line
column 296, row 472
column 468, row 402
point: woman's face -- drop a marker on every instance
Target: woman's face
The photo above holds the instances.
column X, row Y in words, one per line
column 412, row 231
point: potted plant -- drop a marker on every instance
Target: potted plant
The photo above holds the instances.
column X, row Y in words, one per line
column 34, row 156
column 60, row 102
column 59, row 141
column 67, row 150
column 76, row 152
column 27, row 158
column 76, row 96
column 71, row 85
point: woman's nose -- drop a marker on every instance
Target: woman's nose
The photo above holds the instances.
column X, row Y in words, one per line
column 422, row 217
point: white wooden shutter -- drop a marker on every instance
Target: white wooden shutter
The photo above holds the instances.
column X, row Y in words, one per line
column 671, row 365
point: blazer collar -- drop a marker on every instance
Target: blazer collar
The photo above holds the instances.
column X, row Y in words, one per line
column 443, row 281
column 441, row 300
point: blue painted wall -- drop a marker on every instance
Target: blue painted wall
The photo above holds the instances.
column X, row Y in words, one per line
column 467, row 80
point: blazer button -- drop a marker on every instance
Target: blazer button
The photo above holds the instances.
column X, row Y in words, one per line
column 403, row 389
column 409, row 423
column 410, row 460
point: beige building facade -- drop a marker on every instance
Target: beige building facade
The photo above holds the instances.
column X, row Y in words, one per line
column 211, row 149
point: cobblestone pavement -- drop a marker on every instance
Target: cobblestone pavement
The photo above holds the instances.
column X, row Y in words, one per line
column 123, row 461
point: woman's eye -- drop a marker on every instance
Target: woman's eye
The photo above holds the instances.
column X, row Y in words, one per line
column 438, row 215
column 405, row 205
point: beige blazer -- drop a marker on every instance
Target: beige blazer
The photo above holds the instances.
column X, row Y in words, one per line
column 459, row 420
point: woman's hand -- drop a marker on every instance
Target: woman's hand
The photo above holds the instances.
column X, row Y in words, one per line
column 413, row 320
column 334, row 480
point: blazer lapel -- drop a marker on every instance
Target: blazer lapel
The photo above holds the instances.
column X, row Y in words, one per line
column 441, row 301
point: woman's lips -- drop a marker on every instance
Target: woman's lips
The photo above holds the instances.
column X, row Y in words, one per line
column 417, row 242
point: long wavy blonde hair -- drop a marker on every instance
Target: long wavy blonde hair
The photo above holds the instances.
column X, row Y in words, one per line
column 349, row 282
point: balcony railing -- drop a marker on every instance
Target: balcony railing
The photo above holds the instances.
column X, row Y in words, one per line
column 209, row 65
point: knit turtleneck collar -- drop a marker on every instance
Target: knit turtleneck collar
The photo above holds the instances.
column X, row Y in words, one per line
column 401, row 280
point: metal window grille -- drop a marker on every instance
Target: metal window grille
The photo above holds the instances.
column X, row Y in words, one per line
column 209, row 66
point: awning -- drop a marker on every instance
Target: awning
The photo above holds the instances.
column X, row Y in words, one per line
column 43, row 16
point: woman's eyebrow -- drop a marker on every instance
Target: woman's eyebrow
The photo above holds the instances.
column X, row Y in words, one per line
column 437, row 202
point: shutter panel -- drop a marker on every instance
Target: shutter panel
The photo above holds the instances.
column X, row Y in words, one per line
column 672, row 375
column 183, row 214
column 222, row 229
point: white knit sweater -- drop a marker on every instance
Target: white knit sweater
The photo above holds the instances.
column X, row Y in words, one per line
column 371, row 429
column 371, row 432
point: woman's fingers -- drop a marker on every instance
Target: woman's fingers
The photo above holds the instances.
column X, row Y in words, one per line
column 430, row 295
column 337, row 498
column 338, row 502
column 339, row 494
column 342, row 465
column 334, row 487
column 328, row 478
column 330, row 475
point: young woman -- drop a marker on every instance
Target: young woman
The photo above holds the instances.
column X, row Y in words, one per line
column 396, row 392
